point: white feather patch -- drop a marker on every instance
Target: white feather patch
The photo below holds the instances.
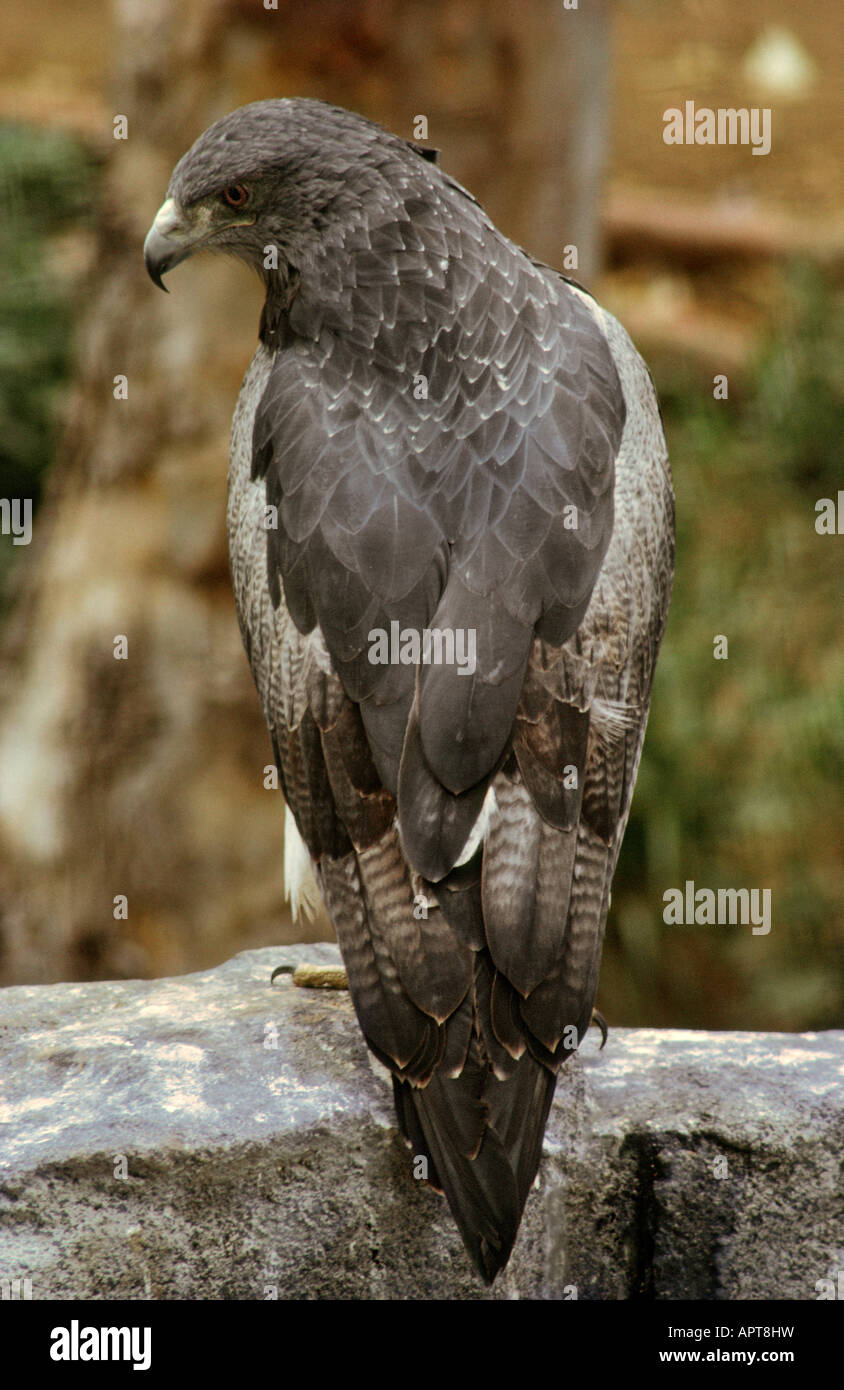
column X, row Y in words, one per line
column 300, row 886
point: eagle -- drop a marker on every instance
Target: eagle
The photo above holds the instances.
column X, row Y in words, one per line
column 450, row 523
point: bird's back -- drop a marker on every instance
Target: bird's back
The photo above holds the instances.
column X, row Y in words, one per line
column 474, row 1004
column 439, row 436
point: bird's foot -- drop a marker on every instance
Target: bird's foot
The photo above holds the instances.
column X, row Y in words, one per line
column 314, row 976
column 600, row 1022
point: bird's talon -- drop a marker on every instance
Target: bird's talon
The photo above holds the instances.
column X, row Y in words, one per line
column 313, row 976
column 282, row 970
column 600, row 1022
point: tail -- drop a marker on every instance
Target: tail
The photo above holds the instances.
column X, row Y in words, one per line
column 482, row 1138
column 474, row 1057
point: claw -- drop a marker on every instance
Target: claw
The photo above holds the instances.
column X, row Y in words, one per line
column 600, row 1022
column 281, row 970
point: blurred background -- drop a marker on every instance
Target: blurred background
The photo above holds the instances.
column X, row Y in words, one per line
column 144, row 777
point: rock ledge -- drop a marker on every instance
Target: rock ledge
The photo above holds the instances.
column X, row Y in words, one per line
column 211, row 1136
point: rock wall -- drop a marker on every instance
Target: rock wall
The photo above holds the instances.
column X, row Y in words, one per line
column 213, row 1136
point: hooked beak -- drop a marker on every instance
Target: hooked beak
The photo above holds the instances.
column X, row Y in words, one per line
column 168, row 242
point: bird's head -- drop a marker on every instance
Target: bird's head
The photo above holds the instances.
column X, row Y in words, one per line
column 292, row 175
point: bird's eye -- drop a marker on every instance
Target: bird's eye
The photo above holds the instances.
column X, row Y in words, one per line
column 236, row 196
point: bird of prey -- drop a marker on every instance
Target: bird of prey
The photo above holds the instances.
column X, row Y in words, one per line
column 450, row 525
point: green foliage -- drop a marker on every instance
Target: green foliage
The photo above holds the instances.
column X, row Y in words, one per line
column 801, row 384
column 740, row 781
column 48, row 185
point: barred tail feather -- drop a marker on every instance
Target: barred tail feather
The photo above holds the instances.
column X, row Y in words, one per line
column 486, row 1172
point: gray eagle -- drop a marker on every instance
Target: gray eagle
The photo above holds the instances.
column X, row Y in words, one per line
column 450, row 525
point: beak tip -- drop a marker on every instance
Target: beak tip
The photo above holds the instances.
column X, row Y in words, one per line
column 155, row 266
column 163, row 248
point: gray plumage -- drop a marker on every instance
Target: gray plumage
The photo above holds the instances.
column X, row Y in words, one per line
column 454, row 437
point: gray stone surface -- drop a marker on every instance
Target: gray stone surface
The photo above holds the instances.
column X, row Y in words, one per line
column 677, row 1164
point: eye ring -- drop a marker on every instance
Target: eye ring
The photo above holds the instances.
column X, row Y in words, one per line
column 236, row 195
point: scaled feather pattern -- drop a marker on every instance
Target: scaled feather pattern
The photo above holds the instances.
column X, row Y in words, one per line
column 445, row 435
